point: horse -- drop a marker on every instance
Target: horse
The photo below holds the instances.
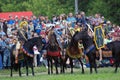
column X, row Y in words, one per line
column 27, row 50
column 53, row 52
column 73, row 52
column 114, row 47
column 89, row 47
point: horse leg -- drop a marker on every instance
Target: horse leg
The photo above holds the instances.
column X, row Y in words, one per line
column 51, row 65
column 81, row 65
column 64, row 63
column 56, row 61
column 32, row 70
column 32, row 67
column 95, row 66
column 90, row 68
column 90, row 62
column 11, row 69
column 48, row 65
column 61, row 66
column 26, row 69
column 19, row 70
column 116, row 65
column 26, row 63
column 71, row 64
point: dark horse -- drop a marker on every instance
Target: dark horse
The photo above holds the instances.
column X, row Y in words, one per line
column 73, row 51
column 53, row 52
column 115, row 48
column 89, row 47
column 27, row 50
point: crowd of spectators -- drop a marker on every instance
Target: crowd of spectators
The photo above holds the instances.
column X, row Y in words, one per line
column 40, row 26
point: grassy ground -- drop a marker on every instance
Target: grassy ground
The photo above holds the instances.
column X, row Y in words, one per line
column 41, row 74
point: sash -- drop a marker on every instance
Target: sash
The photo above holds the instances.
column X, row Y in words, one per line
column 90, row 48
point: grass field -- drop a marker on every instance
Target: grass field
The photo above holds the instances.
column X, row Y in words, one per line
column 41, row 74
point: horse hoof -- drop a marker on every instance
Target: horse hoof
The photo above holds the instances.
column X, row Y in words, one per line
column 49, row 73
column 33, row 74
column 83, row 72
column 71, row 72
column 11, row 76
column 56, row 72
column 115, row 71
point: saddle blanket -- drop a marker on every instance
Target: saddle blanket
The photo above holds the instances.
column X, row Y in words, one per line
column 55, row 53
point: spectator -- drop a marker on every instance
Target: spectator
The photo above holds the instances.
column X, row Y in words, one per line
column 108, row 27
column 6, row 52
column 5, row 26
column 1, row 53
column 2, row 33
column 11, row 21
column 71, row 19
column 43, row 54
column 36, row 52
column 38, row 28
column 83, row 19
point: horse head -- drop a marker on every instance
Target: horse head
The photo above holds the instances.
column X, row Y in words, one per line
column 53, row 44
column 80, row 35
column 38, row 42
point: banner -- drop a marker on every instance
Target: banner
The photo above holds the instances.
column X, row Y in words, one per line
column 99, row 37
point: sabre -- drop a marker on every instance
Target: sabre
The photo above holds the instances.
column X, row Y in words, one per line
column 89, row 27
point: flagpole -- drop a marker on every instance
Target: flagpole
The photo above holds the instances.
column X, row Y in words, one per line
column 76, row 6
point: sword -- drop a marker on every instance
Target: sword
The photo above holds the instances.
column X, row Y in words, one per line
column 89, row 27
column 58, row 39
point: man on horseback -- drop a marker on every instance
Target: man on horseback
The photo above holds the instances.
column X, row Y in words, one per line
column 21, row 39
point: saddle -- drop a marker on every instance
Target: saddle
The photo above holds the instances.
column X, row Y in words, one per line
column 73, row 53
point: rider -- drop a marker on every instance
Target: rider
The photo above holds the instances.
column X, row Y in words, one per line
column 20, row 40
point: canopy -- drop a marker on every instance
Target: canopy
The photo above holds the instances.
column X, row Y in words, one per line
column 5, row 15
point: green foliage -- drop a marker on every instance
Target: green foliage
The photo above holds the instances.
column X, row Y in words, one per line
column 98, row 6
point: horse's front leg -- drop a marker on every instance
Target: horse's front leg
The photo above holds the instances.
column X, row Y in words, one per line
column 51, row 66
column 116, row 65
column 81, row 65
column 32, row 70
column 48, row 65
column 61, row 65
column 56, row 62
column 26, row 69
column 95, row 66
column 90, row 67
column 26, row 64
column 19, row 70
column 32, row 67
column 11, row 69
column 71, row 64
column 90, row 62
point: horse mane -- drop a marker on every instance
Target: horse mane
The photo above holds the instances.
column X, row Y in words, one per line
column 33, row 41
column 73, row 46
column 53, row 44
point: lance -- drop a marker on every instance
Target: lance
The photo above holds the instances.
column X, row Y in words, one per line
column 89, row 27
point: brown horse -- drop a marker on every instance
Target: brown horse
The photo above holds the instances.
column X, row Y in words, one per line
column 73, row 51
column 53, row 52
column 89, row 47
